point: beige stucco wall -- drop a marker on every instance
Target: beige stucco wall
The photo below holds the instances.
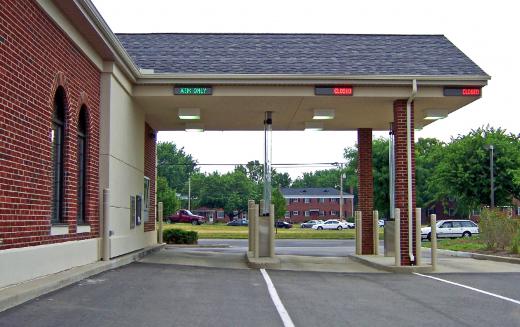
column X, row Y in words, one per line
column 122, row 161
column 22, row 264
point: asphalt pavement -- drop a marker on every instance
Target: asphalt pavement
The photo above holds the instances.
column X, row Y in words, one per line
column 146, row 294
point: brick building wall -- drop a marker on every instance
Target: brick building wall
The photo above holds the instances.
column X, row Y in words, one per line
column 36, row 57
column 366, row 189
column 149, row 171
column 314, row 204
column 401, row 175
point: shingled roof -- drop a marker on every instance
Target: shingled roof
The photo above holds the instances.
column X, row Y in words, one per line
column 306, row 54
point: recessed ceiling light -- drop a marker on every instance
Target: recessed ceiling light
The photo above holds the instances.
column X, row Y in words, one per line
column 189, row 113
column 194, row 128
column 313, row 126
column 320, row 114
column 434, row 114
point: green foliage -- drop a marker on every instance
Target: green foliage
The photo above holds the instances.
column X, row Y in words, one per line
column 463, row 172
column 515, row 243
column 280, row 205
column 319, row 178
column 180, row 236
column 428, row 154
column 167, row 196
column 497, row 229
column 174, row 165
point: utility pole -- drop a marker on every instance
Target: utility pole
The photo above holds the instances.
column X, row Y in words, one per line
column 492, row 195
column 341, row 213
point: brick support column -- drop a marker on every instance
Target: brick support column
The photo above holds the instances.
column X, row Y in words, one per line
column 401, row 176
column 150, row 149
column 366, row 188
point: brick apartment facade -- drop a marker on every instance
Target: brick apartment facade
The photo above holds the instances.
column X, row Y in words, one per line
column 305, row 204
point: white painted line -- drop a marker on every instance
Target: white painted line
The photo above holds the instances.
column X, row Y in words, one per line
column 286, row 319
column 471, row 288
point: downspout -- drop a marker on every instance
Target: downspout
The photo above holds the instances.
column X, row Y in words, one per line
column 409, row 167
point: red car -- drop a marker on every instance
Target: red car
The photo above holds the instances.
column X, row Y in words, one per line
column 185, row 216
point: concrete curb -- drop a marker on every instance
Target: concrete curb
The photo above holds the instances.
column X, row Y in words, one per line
column 216, row 246
column 370, row 261
column 479, row 256
column 14, row 295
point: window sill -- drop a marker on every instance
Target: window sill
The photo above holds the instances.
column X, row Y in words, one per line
column 82, row 229
column 60, row 229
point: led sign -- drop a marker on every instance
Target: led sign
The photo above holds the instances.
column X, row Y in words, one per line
column 192, row 90
column 463, row 91
column 334, row 90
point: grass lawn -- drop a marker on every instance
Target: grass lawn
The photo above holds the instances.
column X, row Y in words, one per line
column 472, row 244
column 207, row 231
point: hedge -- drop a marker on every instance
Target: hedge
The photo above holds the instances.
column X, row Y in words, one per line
column 179, row 236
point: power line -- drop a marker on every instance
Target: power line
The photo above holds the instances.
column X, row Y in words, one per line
column 286, row 165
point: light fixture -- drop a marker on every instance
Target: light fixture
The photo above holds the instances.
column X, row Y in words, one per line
column 194, row 128
column 321, row 114
column 313, row 126
column 189, row 113
column 434, row 114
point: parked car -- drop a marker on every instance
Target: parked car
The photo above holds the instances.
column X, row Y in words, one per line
column 310, row 223
column 331, row 224
column 282, row 224
column 239, row 222
column 452, row 229
column 186, row 216
column 381, row 223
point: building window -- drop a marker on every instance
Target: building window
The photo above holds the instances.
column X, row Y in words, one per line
column 220, row 214
column 322, row 213
column 518, row 211
column 58, row 171
column 307, row 214
column 295, row 213
column 294, row 200
column 333, row 212
column 82, row 165
column 307, row 200
column 321, row 200
column 287, row 214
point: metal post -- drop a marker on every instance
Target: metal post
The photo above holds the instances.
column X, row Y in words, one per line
column 418, row 236
column 397, row 236
column 189, row 192
column 268, row 129
column 391, row 173
column 492, row 195
column 271, row 232
column 359, row 236
column 160, row 212
column 376, row 231
column 256, row 248
column 106, row 224
column 341, row 215
column 433, row 240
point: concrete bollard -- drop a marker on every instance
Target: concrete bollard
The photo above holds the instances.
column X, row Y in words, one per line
column 161, row 217
column 106, row 224
column 418, row 260
column 433, row 240
column 397, row 237
column 251, row 225
column 375, row 230
column 358, row 216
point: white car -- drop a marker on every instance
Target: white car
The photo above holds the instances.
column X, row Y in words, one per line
column 381, row 223
column 451, row 228
column 331, row 224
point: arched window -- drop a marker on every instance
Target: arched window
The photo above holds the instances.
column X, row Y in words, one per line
column 58, row 137
column 82, row 165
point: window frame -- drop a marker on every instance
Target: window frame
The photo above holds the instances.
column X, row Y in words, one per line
column 58, row 157
column 82, row 160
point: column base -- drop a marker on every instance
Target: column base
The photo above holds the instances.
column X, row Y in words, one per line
column 262, row 262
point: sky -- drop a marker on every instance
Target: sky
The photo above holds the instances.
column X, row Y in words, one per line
column 486, row 31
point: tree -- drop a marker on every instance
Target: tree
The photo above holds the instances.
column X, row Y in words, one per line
column 464, row 170
column 280, row 205
column 174, row 165
column 319, row 178
column 428, row 154
column 167, row 196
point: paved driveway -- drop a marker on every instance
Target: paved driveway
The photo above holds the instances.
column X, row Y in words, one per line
column 147, row 294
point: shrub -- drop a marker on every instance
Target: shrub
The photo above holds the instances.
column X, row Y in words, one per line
column 515, row 244
column 497, row 229
column 179, row 236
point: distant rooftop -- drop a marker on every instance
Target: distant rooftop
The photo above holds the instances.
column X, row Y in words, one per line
column 306, row 54
column 312, row 192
